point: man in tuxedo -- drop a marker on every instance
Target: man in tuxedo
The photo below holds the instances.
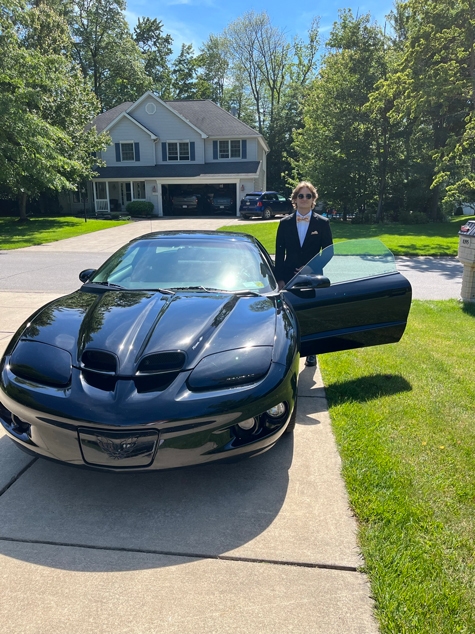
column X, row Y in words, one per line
column 300, row 237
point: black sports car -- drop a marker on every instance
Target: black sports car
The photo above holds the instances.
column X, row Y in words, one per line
column 180, row 349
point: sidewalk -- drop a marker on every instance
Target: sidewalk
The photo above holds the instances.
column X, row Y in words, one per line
column 267, row 545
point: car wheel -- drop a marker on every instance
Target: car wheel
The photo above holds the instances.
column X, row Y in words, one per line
column 245, row 216
column 291, row 426
column 267, row 213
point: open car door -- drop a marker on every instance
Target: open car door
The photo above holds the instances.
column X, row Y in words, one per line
column 349, row 296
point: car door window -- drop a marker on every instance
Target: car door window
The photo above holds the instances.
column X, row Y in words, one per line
column 351, row 260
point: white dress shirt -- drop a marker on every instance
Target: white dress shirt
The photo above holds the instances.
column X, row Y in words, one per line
column 302, row 227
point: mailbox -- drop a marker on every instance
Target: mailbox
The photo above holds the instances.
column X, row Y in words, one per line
column 466, row 255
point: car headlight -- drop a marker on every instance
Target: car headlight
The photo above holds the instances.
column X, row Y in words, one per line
column 41, row 363
column 230, row 368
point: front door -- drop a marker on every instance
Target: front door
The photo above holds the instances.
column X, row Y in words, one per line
column 125, row 194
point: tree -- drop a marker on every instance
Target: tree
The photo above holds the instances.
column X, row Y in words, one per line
column 184, row 71
column 45, row 107
column 156, row 49
column 110, row 59
column 435, row 91
column 335, row 146
column 213, row 64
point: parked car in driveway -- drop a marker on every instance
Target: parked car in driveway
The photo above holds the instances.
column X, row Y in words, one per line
column 181, row 350
column 264, row 204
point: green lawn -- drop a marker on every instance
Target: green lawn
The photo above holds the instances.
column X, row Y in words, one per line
column 429, row 239
column 14, row 234
column 403, row 416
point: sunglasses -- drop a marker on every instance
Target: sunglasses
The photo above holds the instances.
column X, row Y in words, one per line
column 307, row 196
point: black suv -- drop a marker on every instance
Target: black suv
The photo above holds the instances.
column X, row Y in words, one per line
column 264, row 204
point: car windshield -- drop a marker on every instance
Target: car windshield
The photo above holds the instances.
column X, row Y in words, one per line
column 351, row 260
column 195, row 264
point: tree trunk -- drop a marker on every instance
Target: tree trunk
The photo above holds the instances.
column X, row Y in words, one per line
column 22, row 205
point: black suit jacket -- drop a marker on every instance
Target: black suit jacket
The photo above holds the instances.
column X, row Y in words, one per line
column 289, row 255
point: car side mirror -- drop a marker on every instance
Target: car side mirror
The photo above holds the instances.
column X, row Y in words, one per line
column 86, row 274
column 309, row 283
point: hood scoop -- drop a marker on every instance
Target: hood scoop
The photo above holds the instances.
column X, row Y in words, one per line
column 155, row 372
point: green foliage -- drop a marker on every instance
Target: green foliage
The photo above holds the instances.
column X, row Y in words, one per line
column 413, row 218
column 103, row 47
column 183, row 73
column 334, row 148
column 139, row 208
column 45, row 107
column 156, row 49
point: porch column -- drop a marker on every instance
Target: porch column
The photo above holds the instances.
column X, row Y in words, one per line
column 159, row 198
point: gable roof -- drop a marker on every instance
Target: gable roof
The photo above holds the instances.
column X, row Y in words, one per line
column 203, row 114
column 213, row 120
column 106, row 118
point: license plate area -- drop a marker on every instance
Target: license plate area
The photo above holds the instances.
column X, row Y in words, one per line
column 118, row 449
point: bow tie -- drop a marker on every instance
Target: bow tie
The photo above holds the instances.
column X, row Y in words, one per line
column 303, row 218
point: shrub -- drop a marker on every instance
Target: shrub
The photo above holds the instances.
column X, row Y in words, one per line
column 413, row 218
column 139, row 208
column 458, row 211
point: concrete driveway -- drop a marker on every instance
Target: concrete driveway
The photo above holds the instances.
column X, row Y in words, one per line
column 265, row 545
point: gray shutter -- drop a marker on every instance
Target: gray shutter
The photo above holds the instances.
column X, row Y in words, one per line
column 117, row 152
column 137, row 151
column 215, row 150
column 164, row 152
column 244, row 149
column 192, row 150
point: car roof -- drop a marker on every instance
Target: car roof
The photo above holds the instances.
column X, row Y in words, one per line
column 268, row 191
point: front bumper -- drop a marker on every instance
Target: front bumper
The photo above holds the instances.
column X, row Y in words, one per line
column 126, row 431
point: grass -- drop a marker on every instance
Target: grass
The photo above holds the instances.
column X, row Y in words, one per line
column 14, row 234
column 403, row 418
column 435, row 239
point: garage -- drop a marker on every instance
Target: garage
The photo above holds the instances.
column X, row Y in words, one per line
column 192, row 199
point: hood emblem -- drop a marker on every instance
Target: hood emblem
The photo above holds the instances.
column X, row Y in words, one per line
column 117, row 449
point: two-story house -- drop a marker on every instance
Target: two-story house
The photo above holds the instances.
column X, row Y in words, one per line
column 163, row 148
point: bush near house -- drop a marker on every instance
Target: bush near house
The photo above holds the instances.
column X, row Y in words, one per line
column 139, row 208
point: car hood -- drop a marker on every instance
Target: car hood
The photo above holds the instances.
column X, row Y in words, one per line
column 133, row 324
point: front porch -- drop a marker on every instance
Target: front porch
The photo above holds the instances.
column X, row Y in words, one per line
column 113, row 196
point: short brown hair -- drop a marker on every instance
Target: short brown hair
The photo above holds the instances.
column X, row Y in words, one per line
column 297, row 189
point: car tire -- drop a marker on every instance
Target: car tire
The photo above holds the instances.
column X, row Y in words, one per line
column 267, row 213
column 245, row 216
column 291, row 426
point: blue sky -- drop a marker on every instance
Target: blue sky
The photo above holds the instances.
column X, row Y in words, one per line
column 192, row 21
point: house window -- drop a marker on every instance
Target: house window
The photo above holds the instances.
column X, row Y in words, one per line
column 80, row 196
column 127, row 152
column 178, row 151
column 101, row 191
column 229, row 149
column 139, row 190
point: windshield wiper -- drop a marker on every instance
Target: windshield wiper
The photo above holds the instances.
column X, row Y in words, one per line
column 109, row 284
column 192, row 288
